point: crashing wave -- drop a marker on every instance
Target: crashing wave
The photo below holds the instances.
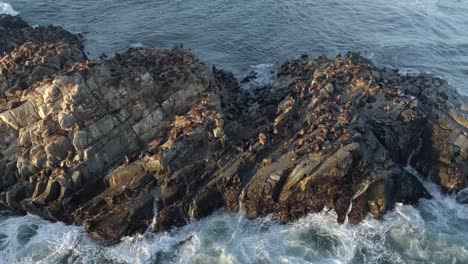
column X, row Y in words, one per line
column 432, row 231
column 137, row 45
column 258, row 75
column 6, row 8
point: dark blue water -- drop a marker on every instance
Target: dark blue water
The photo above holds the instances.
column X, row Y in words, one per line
column 414, row 35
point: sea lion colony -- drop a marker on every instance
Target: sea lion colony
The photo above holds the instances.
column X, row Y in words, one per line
column 112, row 143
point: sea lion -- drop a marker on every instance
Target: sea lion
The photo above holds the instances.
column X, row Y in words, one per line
column 356, row 70
column 293, row 155
column 301, row 132
column 324, row 130
column 345, row 135
column 319, row 138
column 262, row 138
column 360, row 82
column 371, row 77
column 326, row 148
column 300, row 142
column 337, row 134
column 338, row 99
column 344, row 117
column 267, row 162
column 315, row 147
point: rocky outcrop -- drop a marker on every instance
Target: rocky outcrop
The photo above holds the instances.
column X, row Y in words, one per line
column 444, row 152
column 15, row 32
column 159, row 138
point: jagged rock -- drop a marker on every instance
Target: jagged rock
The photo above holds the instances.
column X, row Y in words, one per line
column 462, row 196
column 108, row 143
column 32, row 54
column 16, row 32
column 51, row 192
column 443, row 153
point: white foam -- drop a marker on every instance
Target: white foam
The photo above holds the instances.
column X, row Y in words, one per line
column 6, row 8
column 409, row 71
column 434, row 231
column 137, row 45
column 263, row 75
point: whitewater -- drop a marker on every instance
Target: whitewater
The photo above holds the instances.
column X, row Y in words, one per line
column 6, row 8
column 413, row 36
column 435, row 231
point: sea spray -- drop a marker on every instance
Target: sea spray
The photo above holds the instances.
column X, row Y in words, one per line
column 258, row 76
column 434, row 230
column 6, row 8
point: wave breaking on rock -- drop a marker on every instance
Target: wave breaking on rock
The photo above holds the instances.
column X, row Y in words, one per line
column 7, row 9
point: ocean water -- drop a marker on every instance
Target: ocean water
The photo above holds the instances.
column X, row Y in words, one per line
column 6, row 8
column 414, row 36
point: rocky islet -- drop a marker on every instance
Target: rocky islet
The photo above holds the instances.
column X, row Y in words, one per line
column 112, row 143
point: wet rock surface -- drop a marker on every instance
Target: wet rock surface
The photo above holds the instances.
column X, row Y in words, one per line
column 158, row 138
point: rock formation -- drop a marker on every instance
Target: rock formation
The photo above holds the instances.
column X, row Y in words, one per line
column 113, row 144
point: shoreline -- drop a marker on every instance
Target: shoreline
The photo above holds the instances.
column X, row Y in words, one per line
column 101, row 143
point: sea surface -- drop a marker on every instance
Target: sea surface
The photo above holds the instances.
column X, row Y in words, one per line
column 239, row 35
column 411, row 35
